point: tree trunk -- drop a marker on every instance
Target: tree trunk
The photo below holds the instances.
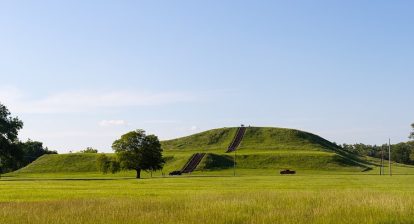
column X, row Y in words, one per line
column 138, row 173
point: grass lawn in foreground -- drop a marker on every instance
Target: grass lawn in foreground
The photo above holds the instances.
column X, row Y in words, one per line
column 303, row 198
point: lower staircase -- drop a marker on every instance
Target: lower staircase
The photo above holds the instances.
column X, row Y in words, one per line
column 237, row 139
column 192, row 163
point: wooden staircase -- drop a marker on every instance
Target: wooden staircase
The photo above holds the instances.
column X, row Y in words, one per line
column 237, row 139
column 192, row 163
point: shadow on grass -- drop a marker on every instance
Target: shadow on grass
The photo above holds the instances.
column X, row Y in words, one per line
column 61, row 179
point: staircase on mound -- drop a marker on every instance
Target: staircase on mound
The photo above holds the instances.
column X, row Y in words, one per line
column 237, row 139
column 192, row 163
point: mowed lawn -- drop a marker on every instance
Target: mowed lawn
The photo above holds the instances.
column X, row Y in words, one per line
column 303, row 198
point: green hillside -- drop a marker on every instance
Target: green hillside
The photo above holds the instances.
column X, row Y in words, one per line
column 83, row 162
column 256, row 138
column 61, row 163
column 261, row 149
column 216, row 139
column 284, row 139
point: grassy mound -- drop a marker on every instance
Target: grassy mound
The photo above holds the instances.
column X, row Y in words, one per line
column 261, row 148
column 256, row 138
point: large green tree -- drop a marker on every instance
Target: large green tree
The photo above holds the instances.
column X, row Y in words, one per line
column 138, row 151
column 10, row 153
column 401, row 153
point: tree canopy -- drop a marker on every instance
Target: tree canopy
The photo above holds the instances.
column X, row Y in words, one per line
column 15, row 154
column 9, row 129
column 412, row 133
column 89, row 150
column 138, row 151
column 9, row 126
column 108, row 164
column 32, row 150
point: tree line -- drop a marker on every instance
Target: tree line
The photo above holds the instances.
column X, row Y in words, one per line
column 401, row 153
column 15, row 154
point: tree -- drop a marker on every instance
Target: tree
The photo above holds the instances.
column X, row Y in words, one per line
column 9, row 129
column 106, row 164
column 89, row 150
column 32, row 150
column 412, row 133
column 138, row 151
column 401, row 153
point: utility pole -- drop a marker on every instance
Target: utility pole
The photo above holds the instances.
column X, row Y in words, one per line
column 382, row 160
column 389, row 155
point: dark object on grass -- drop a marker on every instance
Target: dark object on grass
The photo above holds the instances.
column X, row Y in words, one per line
column 175, row 173
column 287, row 172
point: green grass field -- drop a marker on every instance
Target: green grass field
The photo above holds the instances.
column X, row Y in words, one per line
column 307, row 198
column 330, row 186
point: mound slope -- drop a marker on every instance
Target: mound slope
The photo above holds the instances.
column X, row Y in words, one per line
column 255, row 138
column 261, row 148
column 63, row 163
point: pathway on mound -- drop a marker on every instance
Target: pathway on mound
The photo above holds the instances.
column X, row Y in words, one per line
column 237, row 139
column 192, row 163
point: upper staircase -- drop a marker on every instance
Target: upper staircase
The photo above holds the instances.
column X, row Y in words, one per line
column 237, row 139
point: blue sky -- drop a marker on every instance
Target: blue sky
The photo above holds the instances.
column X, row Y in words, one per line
column 81, row 73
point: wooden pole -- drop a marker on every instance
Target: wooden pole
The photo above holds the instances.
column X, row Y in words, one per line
column 382, row 160
column 389, row 155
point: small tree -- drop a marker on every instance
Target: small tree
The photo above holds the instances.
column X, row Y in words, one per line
column 412, row 133
column 106, row 164
column 89, row 150
column 138, row 151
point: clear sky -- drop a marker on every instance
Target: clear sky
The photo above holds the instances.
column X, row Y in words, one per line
column 81, row 73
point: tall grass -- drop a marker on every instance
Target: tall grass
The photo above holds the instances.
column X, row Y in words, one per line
column 279, row 199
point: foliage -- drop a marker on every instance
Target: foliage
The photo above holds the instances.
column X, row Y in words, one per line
column 107, row 164
column 412, row 133
column 10, row 154
column 138, row 151
column 9, row 126
column 32, row 150
column 13, row 153
column 89, row 150
column 402, row 152
column 365, row 150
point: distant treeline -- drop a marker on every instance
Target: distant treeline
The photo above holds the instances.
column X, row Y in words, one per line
column 15, row 154
column 21, row 154
column 402, row 152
